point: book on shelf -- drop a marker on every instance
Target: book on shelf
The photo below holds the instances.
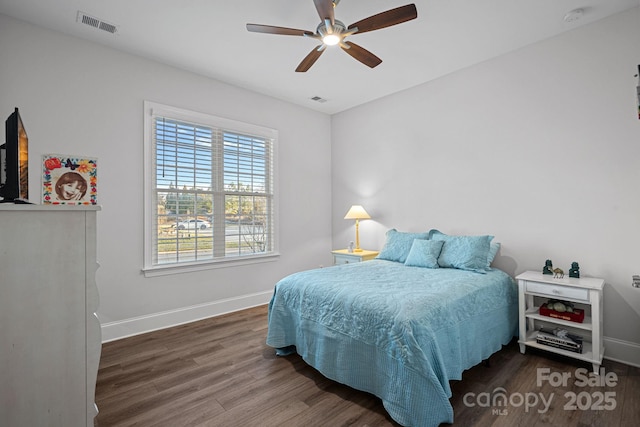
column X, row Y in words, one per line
column 560, row 338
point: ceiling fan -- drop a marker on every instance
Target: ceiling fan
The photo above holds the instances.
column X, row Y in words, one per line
column 332, row 32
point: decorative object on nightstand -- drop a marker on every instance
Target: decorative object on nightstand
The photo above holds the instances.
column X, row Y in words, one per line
column 548, row 267
column 343, row 256
column 561, row 309
column 558, row 273
column 585, row 298
column 575, row 270
column 357, row 212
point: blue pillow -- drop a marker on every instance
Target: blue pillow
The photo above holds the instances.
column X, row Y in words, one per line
column 463, row 252
column 398, row 245
column 424, row 253
column 494, row 247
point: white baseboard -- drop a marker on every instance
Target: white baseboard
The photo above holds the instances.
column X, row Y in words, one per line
column 112, row 331
column 622, row 351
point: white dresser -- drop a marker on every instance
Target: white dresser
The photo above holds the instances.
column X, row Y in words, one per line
column 49, row 332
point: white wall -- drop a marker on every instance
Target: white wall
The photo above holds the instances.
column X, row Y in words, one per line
column 540, row 148
column 81, row 98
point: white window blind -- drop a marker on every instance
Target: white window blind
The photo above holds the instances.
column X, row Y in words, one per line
column 210, row 189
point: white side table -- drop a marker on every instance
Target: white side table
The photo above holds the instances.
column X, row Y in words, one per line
column 586, row 293
column 343, row 256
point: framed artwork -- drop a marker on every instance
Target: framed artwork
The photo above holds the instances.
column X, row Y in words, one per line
column 69, row 180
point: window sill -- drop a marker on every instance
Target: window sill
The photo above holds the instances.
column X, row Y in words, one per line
column 164, row 270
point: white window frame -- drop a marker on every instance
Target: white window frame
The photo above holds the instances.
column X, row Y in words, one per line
column 152, row 110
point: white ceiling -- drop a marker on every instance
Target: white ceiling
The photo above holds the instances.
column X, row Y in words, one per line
column 209, row 37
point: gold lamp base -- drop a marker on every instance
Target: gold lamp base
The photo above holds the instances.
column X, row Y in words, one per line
column 357, row 248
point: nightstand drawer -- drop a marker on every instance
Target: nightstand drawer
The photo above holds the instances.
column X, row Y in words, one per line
column 339, row 259
column 558, row 291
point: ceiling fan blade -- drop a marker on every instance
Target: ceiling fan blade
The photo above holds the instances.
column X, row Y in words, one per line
column 386, row 19
column 310, row 59
column 270, row 29
column 325, row 10
column 361, row 54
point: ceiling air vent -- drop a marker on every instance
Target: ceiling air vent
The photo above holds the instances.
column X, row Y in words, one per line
column 83, row 18
column 318, row 99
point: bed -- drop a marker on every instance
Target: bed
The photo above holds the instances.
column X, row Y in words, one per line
column 396, row 330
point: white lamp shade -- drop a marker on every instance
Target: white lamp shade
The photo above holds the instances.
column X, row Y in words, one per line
column 357, row 212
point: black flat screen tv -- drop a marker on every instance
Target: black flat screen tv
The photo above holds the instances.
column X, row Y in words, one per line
column 14, row 162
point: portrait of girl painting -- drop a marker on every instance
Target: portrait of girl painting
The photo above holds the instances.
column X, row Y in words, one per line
column 69, row 180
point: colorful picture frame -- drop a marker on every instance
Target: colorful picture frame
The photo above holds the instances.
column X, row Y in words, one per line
column 69, row 180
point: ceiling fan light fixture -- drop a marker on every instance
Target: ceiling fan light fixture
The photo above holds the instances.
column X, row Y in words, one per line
column 331, row 35
column 331, row 39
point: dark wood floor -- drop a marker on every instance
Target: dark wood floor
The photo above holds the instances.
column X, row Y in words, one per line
column 219, row 372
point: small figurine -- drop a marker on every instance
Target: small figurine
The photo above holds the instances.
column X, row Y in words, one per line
column 558, row 273
column 575, row 270
column 547, row 267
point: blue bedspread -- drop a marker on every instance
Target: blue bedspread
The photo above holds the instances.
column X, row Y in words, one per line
column 398, row 332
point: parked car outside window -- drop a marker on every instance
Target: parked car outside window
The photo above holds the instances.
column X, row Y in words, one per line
column 193, row 224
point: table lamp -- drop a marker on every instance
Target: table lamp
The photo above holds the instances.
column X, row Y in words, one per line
column 357, row 212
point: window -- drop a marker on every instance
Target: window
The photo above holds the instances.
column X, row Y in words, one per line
column 209, row 195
